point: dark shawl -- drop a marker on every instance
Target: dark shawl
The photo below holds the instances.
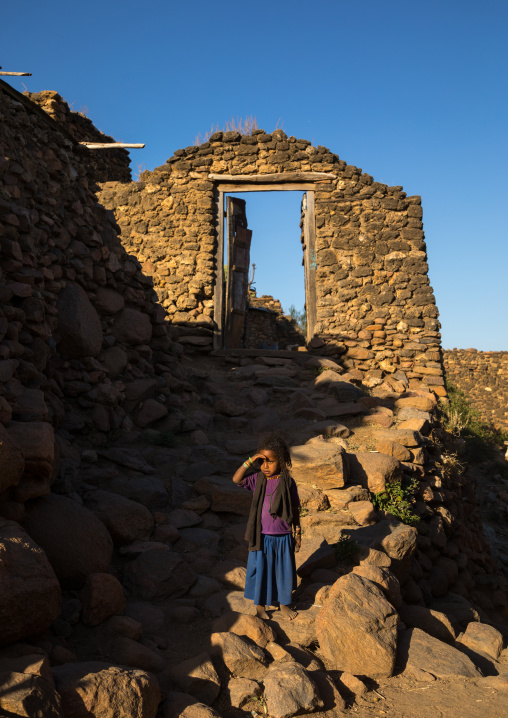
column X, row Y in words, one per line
column 281, row 506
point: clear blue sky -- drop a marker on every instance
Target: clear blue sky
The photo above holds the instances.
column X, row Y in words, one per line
column 414, row 93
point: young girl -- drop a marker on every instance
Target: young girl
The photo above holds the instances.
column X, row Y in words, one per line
column 274, row 513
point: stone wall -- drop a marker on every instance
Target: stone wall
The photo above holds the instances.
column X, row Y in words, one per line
column 374, row 302
column 266, row 326
column 483, row 377
column 82, row 339
column 102, row 165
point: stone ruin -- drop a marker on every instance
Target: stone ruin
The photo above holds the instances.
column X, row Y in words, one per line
column 368, row 297
column 122, row 554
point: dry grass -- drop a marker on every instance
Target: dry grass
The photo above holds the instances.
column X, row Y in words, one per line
column 243, row 126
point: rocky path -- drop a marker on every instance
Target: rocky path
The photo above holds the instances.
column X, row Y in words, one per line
column 375, row 598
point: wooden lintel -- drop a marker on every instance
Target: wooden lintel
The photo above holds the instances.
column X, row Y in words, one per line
column 110, row 145
column 16, row 74
column 288, row 186
column 279, row 177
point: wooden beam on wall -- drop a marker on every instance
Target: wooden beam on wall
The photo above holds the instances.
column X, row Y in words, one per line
column 16, row 74
column 110, row 145
column 240, row 187
column 278, row 177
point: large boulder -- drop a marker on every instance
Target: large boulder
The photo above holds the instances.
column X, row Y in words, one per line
column 12, row 460
column 422, row 652
column 30, row 596
column 482, row 638
column 79, row 325
column 132, row 327
column 100, row 690
column 28, row 694
column 37, row 442
column 75, row 541
column 321, row 463
column 243, row 659
column 126, row 520
column 373, row 471
column 289, row 690
column 157, row 574
column 315, row 553
column 357, row 628
column 384, row 579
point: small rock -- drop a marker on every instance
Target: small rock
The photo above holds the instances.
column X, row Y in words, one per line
column 198, row 677
column 102, row 597
column 434, row 623
column 363, row 512
column 158, row 574
column 289, row 690
column 384, row 579
column 126, row 520
column 242, row 625
column 242, row 689
column 125, row 626
column 353, row 684
column 131, row 653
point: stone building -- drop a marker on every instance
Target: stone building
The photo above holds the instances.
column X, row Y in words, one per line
column 367, row 291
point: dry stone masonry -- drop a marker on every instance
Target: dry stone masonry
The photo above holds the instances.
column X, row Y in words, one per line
column 102, row 165
column 267, row 327
column 122, row 551
column 483, row 377
column 374, row 305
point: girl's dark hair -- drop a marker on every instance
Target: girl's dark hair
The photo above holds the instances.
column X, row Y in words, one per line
column 273, row 442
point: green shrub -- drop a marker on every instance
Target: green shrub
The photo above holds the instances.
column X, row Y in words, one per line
column 398, row 499
column 346, row 549
column 461, row 419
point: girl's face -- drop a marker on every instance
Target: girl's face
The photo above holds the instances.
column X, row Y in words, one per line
column 269, row 464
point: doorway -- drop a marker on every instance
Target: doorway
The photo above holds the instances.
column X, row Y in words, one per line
column 233, row 261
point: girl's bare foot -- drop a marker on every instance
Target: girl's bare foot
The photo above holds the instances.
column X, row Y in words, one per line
column 261, row 612
column 288, row 613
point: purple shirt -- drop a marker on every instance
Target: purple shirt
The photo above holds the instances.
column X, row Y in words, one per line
column 270, row 524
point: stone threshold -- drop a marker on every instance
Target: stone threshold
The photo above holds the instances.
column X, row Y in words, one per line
column 279, row 353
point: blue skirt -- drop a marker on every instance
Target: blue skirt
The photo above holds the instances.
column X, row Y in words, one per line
column 271, row 572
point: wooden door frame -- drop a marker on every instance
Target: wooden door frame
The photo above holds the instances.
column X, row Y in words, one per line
column 221, row 188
